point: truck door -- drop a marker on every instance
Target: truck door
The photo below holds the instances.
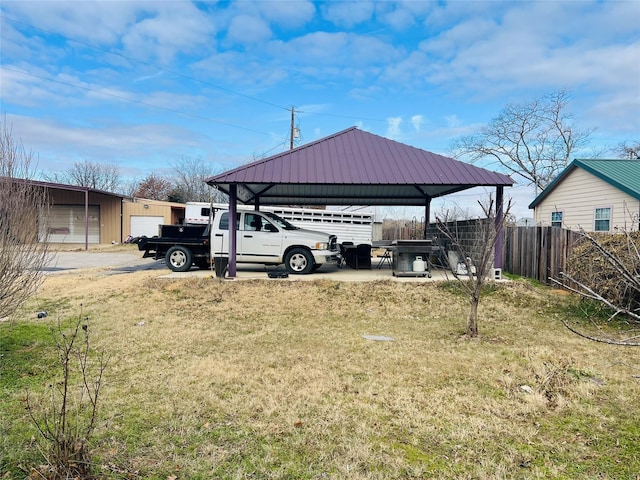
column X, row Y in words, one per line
column 220, row 239
column 259, row 240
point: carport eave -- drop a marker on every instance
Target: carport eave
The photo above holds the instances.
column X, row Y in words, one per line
column 324, row 194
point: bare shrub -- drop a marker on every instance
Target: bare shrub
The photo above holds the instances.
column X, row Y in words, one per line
column 66, row 416
column 606, row 269
column 23, row 207
column 587, row 264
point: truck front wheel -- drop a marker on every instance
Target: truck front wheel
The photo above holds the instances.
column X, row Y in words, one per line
column 299, row 260
column 179, row 259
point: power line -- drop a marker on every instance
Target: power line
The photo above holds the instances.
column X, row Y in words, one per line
column 177, row 74
column 120, row 97
column 148, row 64
column 182, row 75
column 343, row 116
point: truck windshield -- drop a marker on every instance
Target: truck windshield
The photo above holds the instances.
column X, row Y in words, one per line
column 280, row 222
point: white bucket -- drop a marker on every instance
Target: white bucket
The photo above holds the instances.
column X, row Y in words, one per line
column 419, row 265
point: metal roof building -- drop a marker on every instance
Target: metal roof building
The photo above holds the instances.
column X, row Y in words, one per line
column 352, row 167
column 622, row 174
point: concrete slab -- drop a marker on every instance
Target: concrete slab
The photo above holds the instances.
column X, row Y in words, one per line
column 119, row 262
column 345, row 274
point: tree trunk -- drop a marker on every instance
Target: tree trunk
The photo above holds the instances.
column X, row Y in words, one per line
column 472, row 324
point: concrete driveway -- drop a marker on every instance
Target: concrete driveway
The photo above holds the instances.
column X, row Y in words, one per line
column 127, row 262
column 117, row 262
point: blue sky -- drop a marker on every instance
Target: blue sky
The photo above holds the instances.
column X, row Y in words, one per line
column 143, row 83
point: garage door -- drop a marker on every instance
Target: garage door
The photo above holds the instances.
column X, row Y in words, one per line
column 66, row 224
column 143, row 225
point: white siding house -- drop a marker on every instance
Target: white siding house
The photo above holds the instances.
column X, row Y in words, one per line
column 595, row 195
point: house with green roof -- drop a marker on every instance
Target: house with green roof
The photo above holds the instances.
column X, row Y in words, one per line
column 595, row 195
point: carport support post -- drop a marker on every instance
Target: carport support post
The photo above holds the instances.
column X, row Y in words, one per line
column 427, row 215
column 233, row 229
column 499, row 246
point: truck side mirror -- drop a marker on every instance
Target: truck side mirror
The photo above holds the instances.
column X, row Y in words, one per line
column 270, row 228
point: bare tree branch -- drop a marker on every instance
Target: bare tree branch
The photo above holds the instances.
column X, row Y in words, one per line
column 23, row 212
column 190, row 174
column 616, row 285
column 610, row 341
column 89, row 174
column 533, row 140
column 476, row 253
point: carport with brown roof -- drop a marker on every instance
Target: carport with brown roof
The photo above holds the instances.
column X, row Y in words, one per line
column 352, row 167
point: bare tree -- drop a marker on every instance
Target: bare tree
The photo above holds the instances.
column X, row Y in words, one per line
column 534, row 140
column 154, row 188
column 190, row 174
column 23, row 211
column 630, row 150
column 453, row 211
column 89, row 174
column 474, row 249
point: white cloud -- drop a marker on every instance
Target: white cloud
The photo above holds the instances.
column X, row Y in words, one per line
column 245, row 29
column 348, row 13
column 417, row 121
column 412, row 71
column 238, row 69
column 175, row 27
column 393, row 127
column 452, row 121
column 97, row 22
column 106, row 144
column 148, row 30
column 285, row 14
column 403, row 15
column 456, row 61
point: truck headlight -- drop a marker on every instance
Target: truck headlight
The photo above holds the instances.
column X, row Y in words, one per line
column 322, row 246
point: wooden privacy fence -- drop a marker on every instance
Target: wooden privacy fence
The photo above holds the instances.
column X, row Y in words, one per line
column 532, row 252
column 537, row 252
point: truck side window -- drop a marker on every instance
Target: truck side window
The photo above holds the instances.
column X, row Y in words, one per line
column 224, row 221
column 252, row 222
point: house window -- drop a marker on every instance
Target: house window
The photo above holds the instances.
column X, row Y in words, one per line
column 603, row 220
column 556, row 219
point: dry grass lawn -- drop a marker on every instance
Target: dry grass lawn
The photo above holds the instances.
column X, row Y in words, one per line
column 273, row 379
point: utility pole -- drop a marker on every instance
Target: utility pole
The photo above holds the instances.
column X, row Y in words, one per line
column 292, row 120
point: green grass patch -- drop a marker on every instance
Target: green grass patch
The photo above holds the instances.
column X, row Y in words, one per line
column 27, row 354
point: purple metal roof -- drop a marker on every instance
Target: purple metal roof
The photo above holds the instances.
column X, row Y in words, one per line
column 353, row 166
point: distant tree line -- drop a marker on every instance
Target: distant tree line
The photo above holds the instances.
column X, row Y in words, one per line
column 184, row 183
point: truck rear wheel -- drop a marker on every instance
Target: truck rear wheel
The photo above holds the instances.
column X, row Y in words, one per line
column 179, row 259
column 299, row 261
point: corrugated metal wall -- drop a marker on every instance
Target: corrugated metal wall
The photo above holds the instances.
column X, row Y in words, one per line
column 172, row 213
column 109, row 207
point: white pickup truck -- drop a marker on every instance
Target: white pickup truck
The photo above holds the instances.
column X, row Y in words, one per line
column 262, row 238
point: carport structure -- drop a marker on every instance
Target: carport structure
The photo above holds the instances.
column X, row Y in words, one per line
column 352, row 167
